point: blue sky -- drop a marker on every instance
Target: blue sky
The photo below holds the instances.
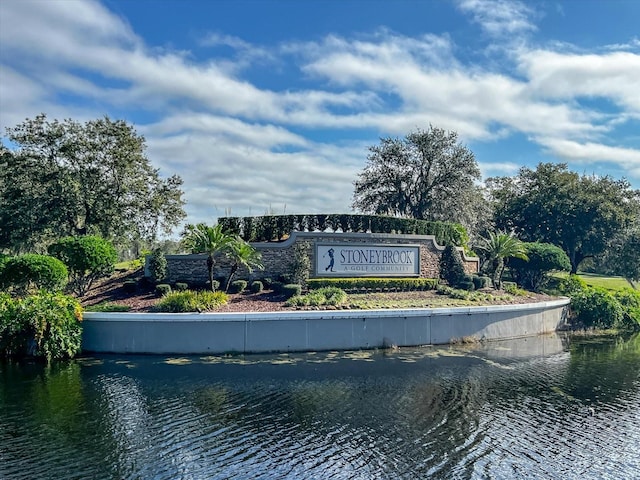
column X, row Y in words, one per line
column 269, row 106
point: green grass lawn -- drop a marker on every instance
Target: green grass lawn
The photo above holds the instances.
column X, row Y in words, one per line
column 595, row 280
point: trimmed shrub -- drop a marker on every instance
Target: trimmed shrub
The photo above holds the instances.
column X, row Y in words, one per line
column 157, row 266
column 87, row 259
column 46, row 325
column 544, row 258
column 163, row 289
column 190, row 301
column 452, row 267
column 181, row 286
column 291, row 289
column 130, row 286
column 466, row 284
column 355, row 284
column 256, row 286
column 267, row 282
column 238, row 286
column 481, row 281
column 572, row 285
column 31, row 272
column 301, row 264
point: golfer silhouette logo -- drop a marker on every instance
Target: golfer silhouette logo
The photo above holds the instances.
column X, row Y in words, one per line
column 330, row 252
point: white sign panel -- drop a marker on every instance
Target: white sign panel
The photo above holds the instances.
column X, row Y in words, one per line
column 356, row 260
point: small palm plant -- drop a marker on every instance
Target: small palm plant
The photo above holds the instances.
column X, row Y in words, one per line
column 242, row 253
column 213, row 241
column 498, row 247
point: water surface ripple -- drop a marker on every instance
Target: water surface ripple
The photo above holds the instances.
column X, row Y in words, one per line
column 548, row 407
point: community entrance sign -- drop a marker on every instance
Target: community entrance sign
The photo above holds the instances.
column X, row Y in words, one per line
column 354, row 260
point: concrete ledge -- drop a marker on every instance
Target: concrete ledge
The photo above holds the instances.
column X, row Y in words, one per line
column 209, row 333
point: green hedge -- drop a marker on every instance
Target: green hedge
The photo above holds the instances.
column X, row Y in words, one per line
column 354, row 284
column 270, row 228
column 46, row 325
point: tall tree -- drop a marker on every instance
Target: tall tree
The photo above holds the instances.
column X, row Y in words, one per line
column 67, row 178
column 426, row 175
column 622, row 256
column 551, row 204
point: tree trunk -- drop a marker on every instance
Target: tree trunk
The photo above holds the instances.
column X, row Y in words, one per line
column 210, row 269
column 234, row 269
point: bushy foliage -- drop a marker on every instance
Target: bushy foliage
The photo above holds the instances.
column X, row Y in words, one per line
column 46, row 325
column 452, row 267
column 163, row 289
column 290, row 289
column 544, row 258
column 31, row 272
column 87, row 258
column 595, row 307
column 157, row 266
column 480, row 281
column 372, row 283
column 191, row 301
column 181, row 286
column 630, row 301
column 256, row 286
column 301, row 264
column 324, row 296
column 238, row 286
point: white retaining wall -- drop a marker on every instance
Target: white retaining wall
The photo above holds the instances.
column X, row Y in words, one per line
column 212, row 333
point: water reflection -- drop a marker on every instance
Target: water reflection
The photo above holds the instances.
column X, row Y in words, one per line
column 548, row 407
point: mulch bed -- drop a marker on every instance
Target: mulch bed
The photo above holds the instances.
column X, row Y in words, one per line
column 144, row 298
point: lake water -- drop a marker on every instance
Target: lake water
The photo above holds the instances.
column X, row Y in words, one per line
column 537, row 408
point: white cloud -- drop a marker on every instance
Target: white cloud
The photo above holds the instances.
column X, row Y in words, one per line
column 499, row 17
column 244, row 147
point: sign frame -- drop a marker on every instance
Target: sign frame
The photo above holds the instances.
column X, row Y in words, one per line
column 367, row 260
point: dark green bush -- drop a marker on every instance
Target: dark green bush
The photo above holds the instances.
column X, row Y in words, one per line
column 480, row 281
column 597, row 308
column 157, row 266
column 256, row 286
column 267, row 282
column 46, row 325
column 87, row 258
column 31, row 272
column 190, row 301
column 238, row 286
column 630, row 301
column 181, row 286
column 452, row 267
column 163, row 289
column 130, row 286
column 466, row 284
column 291, row 289
column 544, row 258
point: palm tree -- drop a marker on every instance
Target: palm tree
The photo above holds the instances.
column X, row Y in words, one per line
column 242, row 253
column 210, row 240
column 498, row 247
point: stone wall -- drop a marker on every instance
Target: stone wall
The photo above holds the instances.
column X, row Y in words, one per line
column 279, row 258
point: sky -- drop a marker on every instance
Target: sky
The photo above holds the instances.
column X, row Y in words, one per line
column 270, row 106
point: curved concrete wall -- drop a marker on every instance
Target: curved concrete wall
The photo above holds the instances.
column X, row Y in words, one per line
column 209, row 333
